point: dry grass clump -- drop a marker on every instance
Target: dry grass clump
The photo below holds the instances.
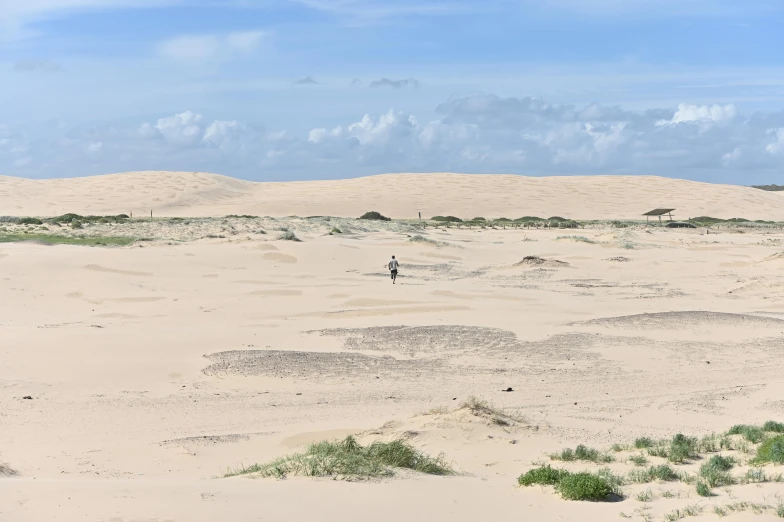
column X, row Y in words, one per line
column 349, row 460
column 6, row 470
column 482, row 408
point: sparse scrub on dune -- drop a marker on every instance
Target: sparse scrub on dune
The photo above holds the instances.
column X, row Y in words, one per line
column 582, row 453
column 335, row 230
column 529, row 219
column 643, row 443
column 53, row 239
column 374, row 216
column 288, row 236
column 579, row 239
column 349, row 460
column 682, row 448
column 241, row 216
column 773, row 427
column 571, row 486
column 770, row 451
column 478, row 220
column 638, row 460
column 584, row 486
column 545, row 476
column 660, row 473
column 422, row 239
column 29, row 221
column 715, row 472
column 446, row 219
column 753, row 434
column 482, row 408
column 6, row 471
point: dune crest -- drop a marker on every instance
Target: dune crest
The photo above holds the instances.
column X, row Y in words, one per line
column 396, row 195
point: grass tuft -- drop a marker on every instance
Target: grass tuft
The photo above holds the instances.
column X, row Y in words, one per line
column 753, row 434
column 772, row 450
column 638, row 460
column 288, row 236
column 643, row 443
column 349, row 460
column 682, row 448
column 545, row 476
column 584, row 486
column 773, row 426
column 704, row 489
column 582, row 452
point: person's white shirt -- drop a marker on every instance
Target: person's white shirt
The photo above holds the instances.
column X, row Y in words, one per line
column 393, row 264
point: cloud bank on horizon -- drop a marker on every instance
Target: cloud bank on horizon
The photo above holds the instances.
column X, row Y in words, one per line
column 313, row 89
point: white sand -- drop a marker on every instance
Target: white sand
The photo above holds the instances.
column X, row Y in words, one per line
column 129, row 421
column 394, row 195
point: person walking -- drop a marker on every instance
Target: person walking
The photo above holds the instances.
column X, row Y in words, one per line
column 393, row 264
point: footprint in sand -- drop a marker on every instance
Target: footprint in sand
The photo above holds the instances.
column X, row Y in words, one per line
column 266, row 247
column 283, row 258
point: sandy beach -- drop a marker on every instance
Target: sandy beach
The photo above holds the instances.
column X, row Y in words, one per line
column 133, row 378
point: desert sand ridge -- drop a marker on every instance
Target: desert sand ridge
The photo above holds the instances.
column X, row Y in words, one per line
column 397, row 195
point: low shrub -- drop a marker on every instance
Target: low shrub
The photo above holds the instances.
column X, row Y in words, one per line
column 29, row 221
column 582, row 452
column 374, row 216
column 446, row 219
column 544, row 475
column 753, row 434
column 773, row 426
column 584, row 486
column 348, row 459
column 772, row 450
column 683, row 448
column 288, row 236
column 643, row 442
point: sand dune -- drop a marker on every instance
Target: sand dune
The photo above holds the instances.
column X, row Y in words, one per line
column 396, row 195
column 132, row 378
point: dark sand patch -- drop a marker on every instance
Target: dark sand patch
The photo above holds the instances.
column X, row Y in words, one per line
column 277, row 363
column 666, row 320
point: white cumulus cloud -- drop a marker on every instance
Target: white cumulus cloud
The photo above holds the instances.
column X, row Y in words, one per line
column 479, row 133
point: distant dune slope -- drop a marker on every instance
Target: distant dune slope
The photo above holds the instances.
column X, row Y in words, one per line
column 395, row 195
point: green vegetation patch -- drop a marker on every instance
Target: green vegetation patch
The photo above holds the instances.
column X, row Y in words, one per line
column 544, row 475
column 584, row 486
column 753, row 434
column 374, row 216
column 446, row 219
column 52, row 239
column 582, row 452
column 349, row 460
column 772, row 450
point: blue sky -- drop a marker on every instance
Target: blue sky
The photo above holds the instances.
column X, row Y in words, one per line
column 309, row 89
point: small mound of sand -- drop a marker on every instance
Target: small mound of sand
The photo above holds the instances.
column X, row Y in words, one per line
column 775, row 257
column 665, row 320
column 540, row 261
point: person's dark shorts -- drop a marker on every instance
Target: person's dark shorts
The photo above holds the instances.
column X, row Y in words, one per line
column 394, row 272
